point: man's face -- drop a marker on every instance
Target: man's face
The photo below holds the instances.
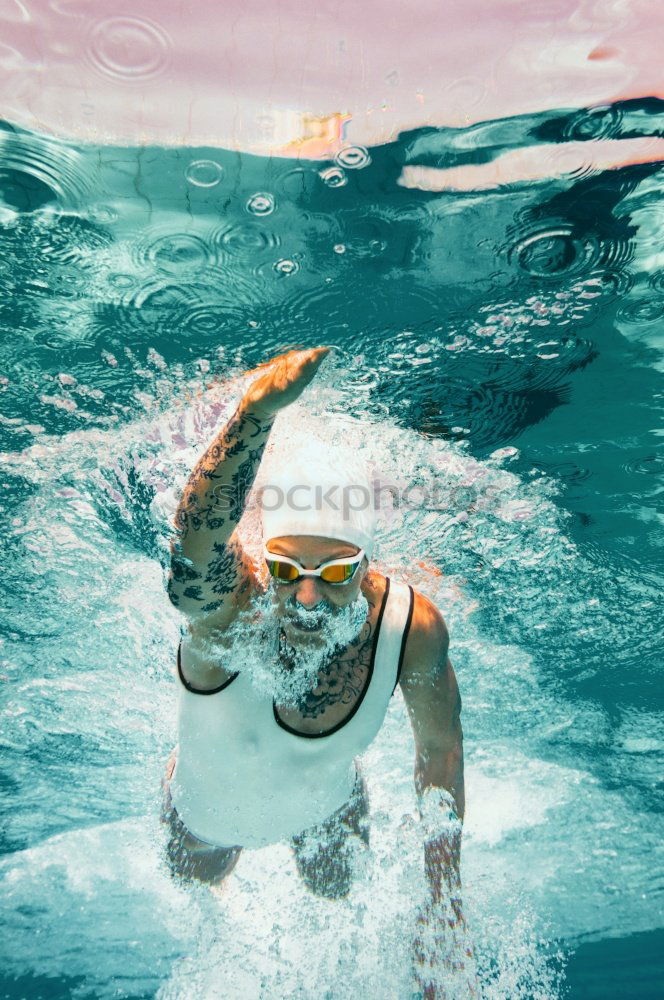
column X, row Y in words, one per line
column 308, row 605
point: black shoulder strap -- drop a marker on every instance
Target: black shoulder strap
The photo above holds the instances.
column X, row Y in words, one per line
column 198, row 690
column 404, row 637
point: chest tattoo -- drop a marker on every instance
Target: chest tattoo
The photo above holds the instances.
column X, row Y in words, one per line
column 342, row 680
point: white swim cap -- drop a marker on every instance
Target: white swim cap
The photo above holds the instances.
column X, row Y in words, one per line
column 319, row 490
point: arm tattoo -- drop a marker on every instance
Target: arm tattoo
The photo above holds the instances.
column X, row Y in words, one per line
column 222, row 569
column 219, row 507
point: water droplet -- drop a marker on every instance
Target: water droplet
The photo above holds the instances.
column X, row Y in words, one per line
column 286, row 267
column 261, row 203
column 204, row 173
column 353, row 157
column 128, row 48
column 334, row 177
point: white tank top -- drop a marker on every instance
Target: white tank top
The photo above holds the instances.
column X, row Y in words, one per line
column 244, row 778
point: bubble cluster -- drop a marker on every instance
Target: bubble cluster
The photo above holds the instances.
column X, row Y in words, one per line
column 260, row 659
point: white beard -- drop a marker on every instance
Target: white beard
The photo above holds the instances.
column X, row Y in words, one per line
column 260, row 658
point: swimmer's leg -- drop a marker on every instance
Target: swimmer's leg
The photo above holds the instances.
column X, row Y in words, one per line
column 325, row 853
column 189, row 858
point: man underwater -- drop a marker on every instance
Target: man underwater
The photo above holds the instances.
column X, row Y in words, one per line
column 268, row 738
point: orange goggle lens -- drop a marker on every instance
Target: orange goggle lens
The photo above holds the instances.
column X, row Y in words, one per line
column 287, row 573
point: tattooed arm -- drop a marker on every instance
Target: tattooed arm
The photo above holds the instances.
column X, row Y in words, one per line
column 210, row 574
column 208, row 565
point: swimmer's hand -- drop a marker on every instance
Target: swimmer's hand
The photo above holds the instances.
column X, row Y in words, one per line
column 286, row 377
column 444, row 960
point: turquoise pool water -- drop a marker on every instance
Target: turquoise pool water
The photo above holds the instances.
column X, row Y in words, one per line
column 504, row 345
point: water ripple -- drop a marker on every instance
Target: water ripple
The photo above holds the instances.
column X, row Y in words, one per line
column 129, row 48
column 334, row 177
column 261, row 203
column 656, row 281
column 243, row 240
column 204, row 173
column 35, row 170
column 172, row 252
column 214, row 308
column 642, row 311
column 552, row 251
column 353, row 157
column 594, row 123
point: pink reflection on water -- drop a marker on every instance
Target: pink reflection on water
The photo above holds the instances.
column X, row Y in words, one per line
column 295, row 79
column 534, row 163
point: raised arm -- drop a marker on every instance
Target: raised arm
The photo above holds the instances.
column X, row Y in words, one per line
column 210, row 572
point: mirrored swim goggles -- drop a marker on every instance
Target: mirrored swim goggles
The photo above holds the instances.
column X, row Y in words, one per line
column 335, row 572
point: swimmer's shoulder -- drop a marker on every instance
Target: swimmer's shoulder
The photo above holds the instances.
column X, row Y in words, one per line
column 427, row 624
column 427, row 642
column 206, row 652
column 200, row 668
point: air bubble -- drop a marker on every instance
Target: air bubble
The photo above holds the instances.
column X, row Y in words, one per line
column 204, row 173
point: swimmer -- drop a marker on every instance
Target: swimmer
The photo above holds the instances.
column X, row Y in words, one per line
column 285, row 670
